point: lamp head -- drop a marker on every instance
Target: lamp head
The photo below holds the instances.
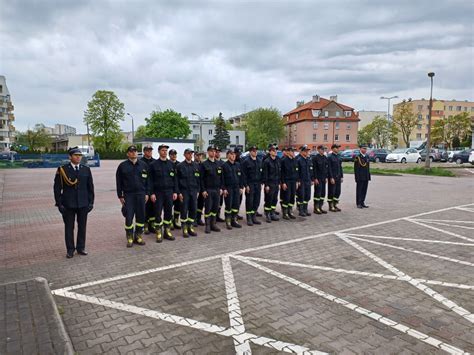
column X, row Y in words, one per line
column 431, row 74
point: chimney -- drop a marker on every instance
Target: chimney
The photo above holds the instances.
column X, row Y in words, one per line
column 315, row 98
column 333, row 98
column 299, row 103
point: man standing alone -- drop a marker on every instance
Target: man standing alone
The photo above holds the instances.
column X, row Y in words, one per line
column 362, row 176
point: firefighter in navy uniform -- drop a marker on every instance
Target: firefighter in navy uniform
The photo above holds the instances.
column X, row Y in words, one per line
column 198, row 157
column 220, row 163
column 176, row 203
column 74, row 196
column 305, row 178
column 233, row 188
column 164, row 187
column 149, row 212
column 271, row 179
column 335, row 175
column 132, row 179
column 211, row 184
column 252, row 170
column 320, row 176
column 289, row 176
column 189, row 180
column 362, row 176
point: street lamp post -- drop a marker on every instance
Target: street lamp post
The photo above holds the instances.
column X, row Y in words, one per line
column 388, row 106
column 428, row 139
column 133, row 128
column 200, row 130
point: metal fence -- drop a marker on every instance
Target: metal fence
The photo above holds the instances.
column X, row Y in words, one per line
column 53, row 160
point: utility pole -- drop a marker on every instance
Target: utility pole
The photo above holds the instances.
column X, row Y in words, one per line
column 428, row 140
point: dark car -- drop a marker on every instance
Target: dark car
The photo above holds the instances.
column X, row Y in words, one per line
column 349, row 155
column 378, row 155
column 461, row 157
column 434, row 155
column 444, row 155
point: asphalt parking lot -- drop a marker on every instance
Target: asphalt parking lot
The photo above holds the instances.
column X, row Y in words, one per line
column 395, row 278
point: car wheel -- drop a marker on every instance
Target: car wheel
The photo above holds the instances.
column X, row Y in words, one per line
column 458, row 161
column 377, row 160
column 419, row 161
column 403, row 161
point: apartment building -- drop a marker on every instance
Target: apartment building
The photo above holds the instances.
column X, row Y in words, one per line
column 7, row 130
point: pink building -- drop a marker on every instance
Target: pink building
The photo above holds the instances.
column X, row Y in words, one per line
column 321, row 121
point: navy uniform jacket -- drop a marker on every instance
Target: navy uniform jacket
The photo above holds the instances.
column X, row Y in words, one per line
column 189, row 176
column 232, row 175
column 163, row 176
column 78, row 195
column 320, row 167
column 271, row 171
column 132, row 178
column 147, row 161
column 211, row 175
column 335, row 167
column 305, row 169
column 289, row 170
column 252, row 170
column 362, row 168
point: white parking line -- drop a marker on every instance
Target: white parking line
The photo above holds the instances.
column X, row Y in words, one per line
column 411, row 239
column 439, row 230
column 449, row 225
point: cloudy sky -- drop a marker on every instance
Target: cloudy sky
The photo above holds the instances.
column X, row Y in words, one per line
column 229, row 56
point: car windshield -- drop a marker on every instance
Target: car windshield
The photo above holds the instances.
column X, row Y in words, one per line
column 398, row 151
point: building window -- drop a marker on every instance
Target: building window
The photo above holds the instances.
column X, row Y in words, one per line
column 316, row 113
column 426, row 135
column 420, row 117
column 326, row 113
column 314, row 137
column 347, row 113
column 465, row 109
column 297, row 115
column 419, row 126
column 450, row 108
column 294, row 128
column 325, row 137
column 458, row 108
column 315, row 125
column 472, row 109
column 348, row 126
column 427, row 126
column 196, row 136
column 210, row 132
column 1, row 89
column 336, row 137
column 348, row 137
column 418, row 136
column 326, row 125
column 337, row 125
column 337, row 113
column 420, row 107
column 427, row 117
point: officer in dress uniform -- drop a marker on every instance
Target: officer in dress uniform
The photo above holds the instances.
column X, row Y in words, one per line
column 233, row 188
column 252, row 170
column 305, row 178
column 320, row 176
column 198, row 158
column 176, row 203
column 220, row 163
column 335, row 178
column 133, row 191
column 164, row 189
column 271, row 179
column 362, row 176
column 74, row 196
column 149, row 212
column 211, row 184
column 189, row 180
column 289, row 176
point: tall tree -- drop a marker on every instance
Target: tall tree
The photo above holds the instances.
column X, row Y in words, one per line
column 103, row 115
column 140, row 132
column 405, row 120
column 167, row 124
column 365, row 134
column 35, row 139
column 451, row 130
column 381, row 131
column 221, row 137
column 264, row 126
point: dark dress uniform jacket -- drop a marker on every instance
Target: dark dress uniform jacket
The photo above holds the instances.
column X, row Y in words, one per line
column 320, row 167
column 233, row 176
column 211, row 175
column 147, row 161
column 271, row 171
column 189, row 176
column 305, row 169
column 252, row 171
column 289, row 170
column 361, row 168
column 77, row 196
column 163, row 176
column 335, row 167
column 132, row 178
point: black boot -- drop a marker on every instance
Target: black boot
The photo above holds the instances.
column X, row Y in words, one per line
column 228, row 221
column 255, row 220
column 191, row 230
column 234, row 222
column 198, row 221
column 337, row 208
column 300, row 211
column 184, row 226
column 145, row 229
column 290, row 213
column 159, row 233
column 129, row 235
column 208, row 225
column 167, row 233
column 331, row 206
column 316, row 208
column 321, row 203
column 214, row 226
column 284, row 211
column 249, row 220
column 273, row 216
column 176, row 223
column 305, row 210
column 268, row 217
column 258, row 214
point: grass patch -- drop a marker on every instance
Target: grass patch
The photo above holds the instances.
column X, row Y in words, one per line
column 397, row 172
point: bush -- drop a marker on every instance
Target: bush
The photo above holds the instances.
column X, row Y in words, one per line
column 112, row 155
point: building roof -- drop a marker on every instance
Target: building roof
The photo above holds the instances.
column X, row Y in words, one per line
column 312, row 105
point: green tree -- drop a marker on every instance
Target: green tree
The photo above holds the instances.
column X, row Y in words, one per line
column 103, row 115
column 35, row 139
column 140, row 132
column 167, row 124
column 405, row 120
column 115, row 142
column 264, row 126
column 439, row 132
column 364, row 136
column 452, row 130
column 221, row 137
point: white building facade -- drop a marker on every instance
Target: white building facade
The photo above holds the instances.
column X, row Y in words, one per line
column 7, row 130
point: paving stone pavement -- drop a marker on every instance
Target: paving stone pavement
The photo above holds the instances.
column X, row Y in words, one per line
column 390, row 279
